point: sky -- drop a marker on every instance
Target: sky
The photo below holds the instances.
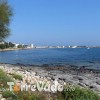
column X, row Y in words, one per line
column 55, row 22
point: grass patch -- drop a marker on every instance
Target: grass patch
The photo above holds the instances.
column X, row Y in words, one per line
column 4, row 79
column 80, row 94
column 8, row 94
column 17, row 76
column 30, row 96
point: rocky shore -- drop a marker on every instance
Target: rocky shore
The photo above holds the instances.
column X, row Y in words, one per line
column 13, row 49
column 10, row 49
column 83, row 77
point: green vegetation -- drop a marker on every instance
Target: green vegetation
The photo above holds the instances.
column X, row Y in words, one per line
column 5, row 18
column 20, row 46
column 24, row 96
column 6, row 45
column 30, row 96
column 80, row 94
column 17, row 76
column 8, row 94
column 4, row 78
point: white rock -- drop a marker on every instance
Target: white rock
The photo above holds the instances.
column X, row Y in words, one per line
column 3, row 99
column 2, row 67
column 1, row 96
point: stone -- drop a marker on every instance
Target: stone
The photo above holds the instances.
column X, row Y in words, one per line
column 82, row 85
column 1, row 67
column 1, row 96
column 98, row 87
column 3, row 99
column 98, row 82
column 10, row 98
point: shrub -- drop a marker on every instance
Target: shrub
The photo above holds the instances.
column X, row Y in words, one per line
column 4, row 78
column 80, row 94
column 17, row 76
column 8, row 94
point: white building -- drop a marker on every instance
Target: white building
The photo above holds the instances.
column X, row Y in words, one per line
column 2, row 42
column 16, row 45
column 31, row 45
column 74, row 47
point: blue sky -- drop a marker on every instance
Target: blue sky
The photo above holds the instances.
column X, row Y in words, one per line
column 56, row 22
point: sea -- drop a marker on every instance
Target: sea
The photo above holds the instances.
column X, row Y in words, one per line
column 59, row 56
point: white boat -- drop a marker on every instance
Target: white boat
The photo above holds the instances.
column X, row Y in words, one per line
column 88, row 48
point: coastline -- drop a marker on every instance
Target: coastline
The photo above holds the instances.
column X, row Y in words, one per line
column 13, row 49
column 83, row 77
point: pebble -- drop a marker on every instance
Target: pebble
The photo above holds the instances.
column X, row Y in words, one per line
column 3, row 99
column 1, row 96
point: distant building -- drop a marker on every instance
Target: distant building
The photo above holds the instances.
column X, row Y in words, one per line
column 74, row 46
column 2, row 42
column 41, row 47
column 63, row 46
column 16, row 45
column 31, row 45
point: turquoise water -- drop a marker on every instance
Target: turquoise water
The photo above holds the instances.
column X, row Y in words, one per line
column 78, row 56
